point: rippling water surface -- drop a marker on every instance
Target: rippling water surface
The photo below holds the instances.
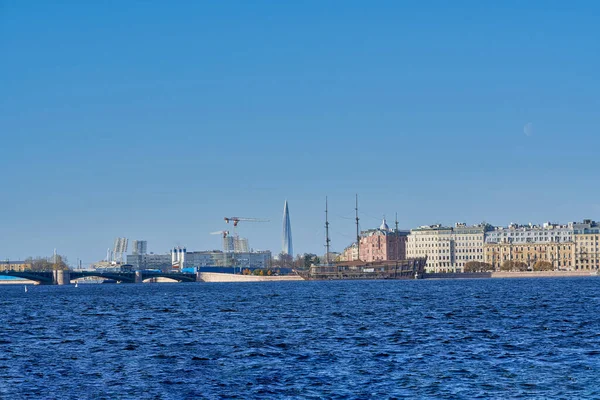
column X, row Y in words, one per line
column 527, row 338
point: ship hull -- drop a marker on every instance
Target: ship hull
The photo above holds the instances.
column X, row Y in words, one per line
column 357, row 270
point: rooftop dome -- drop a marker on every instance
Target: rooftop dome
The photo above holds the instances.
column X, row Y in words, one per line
column 384, row 226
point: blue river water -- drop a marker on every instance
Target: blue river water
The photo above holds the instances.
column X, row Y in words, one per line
column 447, row 339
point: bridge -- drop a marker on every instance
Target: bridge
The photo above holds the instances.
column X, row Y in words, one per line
column 65, row 277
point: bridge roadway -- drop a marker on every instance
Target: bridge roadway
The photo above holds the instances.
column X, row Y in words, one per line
column 65, row 277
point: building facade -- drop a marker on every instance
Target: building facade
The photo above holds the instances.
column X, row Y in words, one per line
column 350, row 253
column 433, row 242
column 139, row 247
column 19, row 266
column 586, row 236
column 467, row 244
column 382, row 244
column 235, row 244
column 447, row 249
column 150, row 261
column 521, row 234
column 559, row 254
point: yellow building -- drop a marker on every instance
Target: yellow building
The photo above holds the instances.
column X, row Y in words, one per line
column 14, row 265
column 586, row 252
column 560, row 255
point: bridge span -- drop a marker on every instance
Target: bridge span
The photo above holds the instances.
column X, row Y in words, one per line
column 65, row 277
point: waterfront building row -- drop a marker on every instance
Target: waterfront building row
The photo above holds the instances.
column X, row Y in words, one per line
column 574, row 246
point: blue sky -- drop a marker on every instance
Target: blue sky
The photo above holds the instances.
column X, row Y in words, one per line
column 154, row 120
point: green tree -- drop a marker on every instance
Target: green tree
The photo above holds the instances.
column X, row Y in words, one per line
column 309, row 259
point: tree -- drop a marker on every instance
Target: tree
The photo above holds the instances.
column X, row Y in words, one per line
column 477, row 266
column 48, row 264
column 283, row 261
column 521, row 266
column 309, row 259
column 513, row 266
column 299, row 262
column 507, row 265
column 543, row 266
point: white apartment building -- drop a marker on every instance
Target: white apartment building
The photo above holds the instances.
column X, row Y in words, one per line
column 522, row 234
column 447, row 249
column 433, row 242
column 468, row 244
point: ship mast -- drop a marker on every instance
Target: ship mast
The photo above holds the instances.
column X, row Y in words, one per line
column 357, row 229
column 326, row 234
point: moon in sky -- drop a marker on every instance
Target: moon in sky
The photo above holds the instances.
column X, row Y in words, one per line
column 528, row 129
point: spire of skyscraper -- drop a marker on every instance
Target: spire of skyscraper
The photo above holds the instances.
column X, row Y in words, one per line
column 287, row 231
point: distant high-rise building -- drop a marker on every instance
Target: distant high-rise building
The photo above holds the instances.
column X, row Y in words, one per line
column 119, row 249
column 235, row 244
column 287, row 231
column 139, row 247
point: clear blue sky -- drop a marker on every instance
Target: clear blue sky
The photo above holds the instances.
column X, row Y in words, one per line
column 154, row 120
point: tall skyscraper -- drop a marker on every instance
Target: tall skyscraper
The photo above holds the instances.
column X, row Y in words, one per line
column 287, row 231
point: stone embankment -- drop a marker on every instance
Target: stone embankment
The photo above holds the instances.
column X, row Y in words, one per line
column 219, row 277
column 17, row 282
column 542, row 274
column 529, row 274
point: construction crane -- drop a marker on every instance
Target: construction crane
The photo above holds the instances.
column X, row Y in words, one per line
column 237, row 220
column 224, row 233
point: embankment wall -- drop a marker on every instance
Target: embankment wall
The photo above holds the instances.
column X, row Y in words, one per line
column 529, row 274
column 218, row 277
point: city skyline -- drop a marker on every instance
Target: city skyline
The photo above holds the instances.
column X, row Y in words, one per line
column 558, row 226
column 129, row 121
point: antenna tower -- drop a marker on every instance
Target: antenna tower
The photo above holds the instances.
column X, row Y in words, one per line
column 326, row 234
column 396, row 222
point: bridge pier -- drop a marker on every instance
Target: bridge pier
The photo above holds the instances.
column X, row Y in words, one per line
column 138, row 277
column 61, row 277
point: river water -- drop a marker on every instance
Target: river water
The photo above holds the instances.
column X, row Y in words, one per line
column 505, row 338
